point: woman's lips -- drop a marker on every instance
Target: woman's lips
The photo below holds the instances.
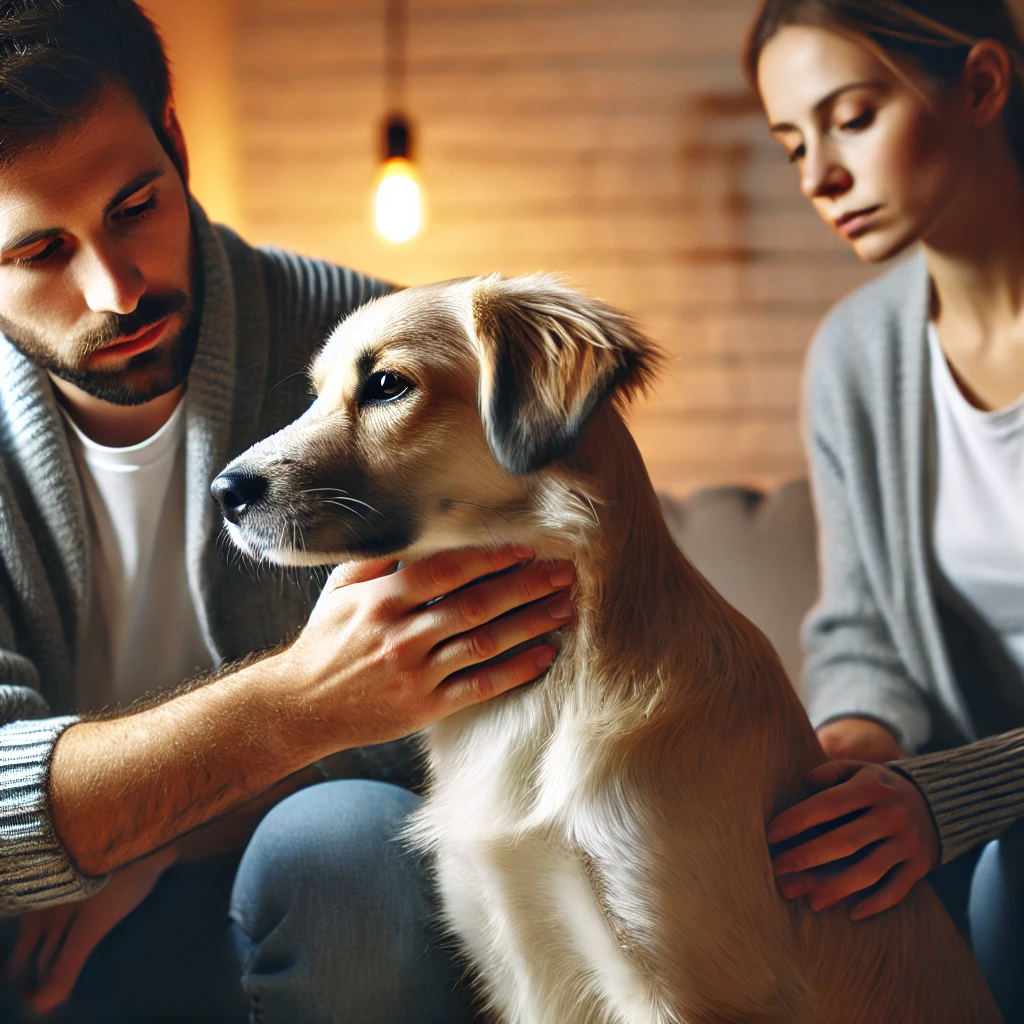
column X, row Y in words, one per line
column 853, row 224
column 132, row 345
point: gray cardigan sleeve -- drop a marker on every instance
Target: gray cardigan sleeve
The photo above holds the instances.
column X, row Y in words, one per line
column 974, row 792
column 852, row 666
column 35, row 869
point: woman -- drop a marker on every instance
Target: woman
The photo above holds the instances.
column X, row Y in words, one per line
column 906, row 124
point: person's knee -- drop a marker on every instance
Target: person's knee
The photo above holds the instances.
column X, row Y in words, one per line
column 324, row 851
column 997, row 919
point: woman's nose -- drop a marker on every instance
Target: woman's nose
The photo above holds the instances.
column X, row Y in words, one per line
column 821, row 175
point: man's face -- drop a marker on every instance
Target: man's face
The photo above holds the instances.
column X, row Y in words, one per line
column 96, row 256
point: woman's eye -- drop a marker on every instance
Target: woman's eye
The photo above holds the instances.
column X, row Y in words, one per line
column 858, row 122
column 797, row 154
column 383, row 386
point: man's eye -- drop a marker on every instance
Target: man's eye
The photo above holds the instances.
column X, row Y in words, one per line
column 43, row 255
column 139, row 208
column 383, row 386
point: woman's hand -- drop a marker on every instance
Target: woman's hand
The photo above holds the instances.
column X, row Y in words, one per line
column 53, row 944
column 859, row 739
column 874, row 815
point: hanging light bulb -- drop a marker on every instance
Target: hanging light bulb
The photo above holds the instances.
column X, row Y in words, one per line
column 398, row 205
column 399, row 208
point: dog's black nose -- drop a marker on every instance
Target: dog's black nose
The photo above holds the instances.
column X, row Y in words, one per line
column 235, row 492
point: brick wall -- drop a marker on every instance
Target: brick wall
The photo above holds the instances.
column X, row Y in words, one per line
column 613, row 142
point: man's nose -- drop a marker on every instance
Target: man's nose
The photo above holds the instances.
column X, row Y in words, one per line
column 113, row 282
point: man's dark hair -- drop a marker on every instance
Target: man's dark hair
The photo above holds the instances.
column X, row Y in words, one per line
column 57, row 55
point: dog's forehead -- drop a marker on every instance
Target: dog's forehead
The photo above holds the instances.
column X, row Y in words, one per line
column 406, row 329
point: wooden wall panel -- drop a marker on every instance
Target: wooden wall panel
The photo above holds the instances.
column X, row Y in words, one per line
column 612, row 142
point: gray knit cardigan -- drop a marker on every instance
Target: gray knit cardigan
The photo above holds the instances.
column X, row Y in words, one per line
column 889, row 638
column 264, row 312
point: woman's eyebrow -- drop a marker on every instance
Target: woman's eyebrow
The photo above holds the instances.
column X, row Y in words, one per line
column 827, row 101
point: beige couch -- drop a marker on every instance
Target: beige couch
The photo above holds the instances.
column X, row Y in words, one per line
column 759, row 551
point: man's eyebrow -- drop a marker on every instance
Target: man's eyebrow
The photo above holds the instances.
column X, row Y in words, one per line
column 133, row 186
column 827, row 101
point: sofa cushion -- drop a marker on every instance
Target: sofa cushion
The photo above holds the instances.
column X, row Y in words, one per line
column 758, row 551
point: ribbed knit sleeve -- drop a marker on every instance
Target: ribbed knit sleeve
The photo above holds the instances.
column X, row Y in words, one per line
column 35, row 870
column 974, row 792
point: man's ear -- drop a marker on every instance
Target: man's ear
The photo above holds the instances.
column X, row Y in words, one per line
column 176, row 137
column 548, row 357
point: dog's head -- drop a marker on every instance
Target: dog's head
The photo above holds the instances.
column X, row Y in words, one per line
column 437, row 411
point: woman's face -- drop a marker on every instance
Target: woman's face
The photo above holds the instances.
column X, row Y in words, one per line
column 880, row 157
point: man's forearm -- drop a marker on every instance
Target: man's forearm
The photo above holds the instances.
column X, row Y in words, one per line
column 121, row 788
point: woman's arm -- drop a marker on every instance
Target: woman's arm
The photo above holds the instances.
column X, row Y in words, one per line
column 852, row 668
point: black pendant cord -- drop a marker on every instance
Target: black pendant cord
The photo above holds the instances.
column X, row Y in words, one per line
column 397, row 136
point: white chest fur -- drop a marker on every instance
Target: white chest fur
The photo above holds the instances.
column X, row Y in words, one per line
column 507, row 805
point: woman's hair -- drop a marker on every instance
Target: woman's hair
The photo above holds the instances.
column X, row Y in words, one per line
column 937, row 34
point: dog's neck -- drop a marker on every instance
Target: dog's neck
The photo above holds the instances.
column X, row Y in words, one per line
column 635, row 589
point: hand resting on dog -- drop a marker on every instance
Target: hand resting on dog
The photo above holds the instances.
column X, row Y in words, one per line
column 872, row 815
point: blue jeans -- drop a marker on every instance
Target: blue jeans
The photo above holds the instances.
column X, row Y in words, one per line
column 996, row 912
column 325, row 918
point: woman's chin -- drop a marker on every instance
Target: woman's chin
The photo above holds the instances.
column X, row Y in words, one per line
column 879, row 246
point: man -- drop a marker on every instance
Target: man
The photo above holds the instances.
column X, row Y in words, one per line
column 142, row 349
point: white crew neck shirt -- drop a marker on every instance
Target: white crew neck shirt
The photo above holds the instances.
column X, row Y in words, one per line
column 978, row 529
column 143, row 633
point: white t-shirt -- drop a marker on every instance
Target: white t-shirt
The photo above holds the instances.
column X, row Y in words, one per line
column 143, row 632
column 978, row 531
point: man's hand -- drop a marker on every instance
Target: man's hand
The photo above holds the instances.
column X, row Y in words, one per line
column 891, row 828
column 53, row 944
column 389, row 653
column 859, row 739
column 382, row 655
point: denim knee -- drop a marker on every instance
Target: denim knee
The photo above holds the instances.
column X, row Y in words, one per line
column 335, row 919
column 996, row 913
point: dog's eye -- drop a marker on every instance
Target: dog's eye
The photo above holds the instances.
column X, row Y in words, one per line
column 383, row 386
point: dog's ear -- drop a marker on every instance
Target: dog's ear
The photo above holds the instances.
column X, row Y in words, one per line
column 548, row 357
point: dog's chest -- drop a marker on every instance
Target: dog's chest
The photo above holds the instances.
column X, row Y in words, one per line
column 509, row 801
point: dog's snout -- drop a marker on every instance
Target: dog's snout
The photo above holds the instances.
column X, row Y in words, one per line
column 235, row 492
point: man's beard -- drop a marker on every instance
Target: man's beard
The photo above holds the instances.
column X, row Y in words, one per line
column 143, row 377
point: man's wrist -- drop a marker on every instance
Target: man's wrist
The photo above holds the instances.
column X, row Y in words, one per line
column 122, row 788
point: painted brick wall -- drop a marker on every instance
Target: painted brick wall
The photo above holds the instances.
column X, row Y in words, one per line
column 613, row 142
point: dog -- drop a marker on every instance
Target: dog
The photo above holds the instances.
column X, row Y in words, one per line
column 598, row 835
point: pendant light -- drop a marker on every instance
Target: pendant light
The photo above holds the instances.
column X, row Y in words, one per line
column 398, row 206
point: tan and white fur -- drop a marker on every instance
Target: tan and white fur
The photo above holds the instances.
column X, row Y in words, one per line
column 599, row 835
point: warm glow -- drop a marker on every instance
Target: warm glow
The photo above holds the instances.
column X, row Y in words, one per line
column 398, row 202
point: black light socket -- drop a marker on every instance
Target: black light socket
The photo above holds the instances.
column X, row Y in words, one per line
column 397, row 138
